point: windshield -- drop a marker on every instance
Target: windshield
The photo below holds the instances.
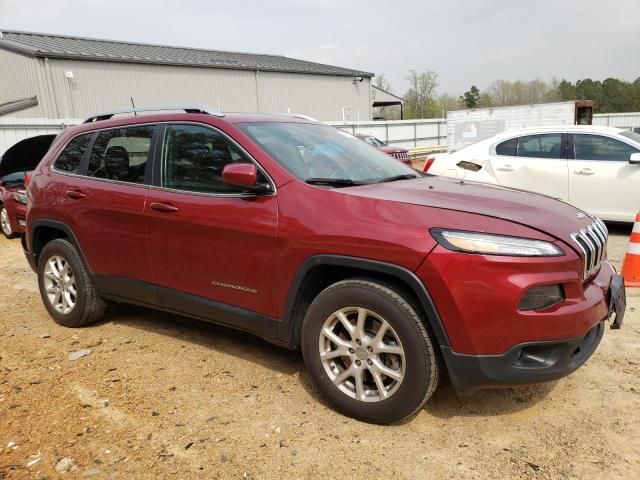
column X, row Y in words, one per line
column 632, row 135
column 314, row 151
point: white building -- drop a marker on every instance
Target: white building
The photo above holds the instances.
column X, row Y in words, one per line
column 61, row 77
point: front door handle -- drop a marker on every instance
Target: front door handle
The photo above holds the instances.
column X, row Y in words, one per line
column 163, row 207
column 584, row 171
column 75, row 194
column 505, row 168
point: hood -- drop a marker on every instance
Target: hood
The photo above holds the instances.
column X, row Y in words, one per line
column 388, row 149
column 25, row 155
column 540, row 212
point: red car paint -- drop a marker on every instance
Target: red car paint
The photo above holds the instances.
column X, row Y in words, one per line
column 260, row 242
column 16, row 210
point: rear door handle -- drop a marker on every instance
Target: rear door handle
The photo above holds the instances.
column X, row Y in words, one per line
column 75, row 194
column 505, row 168
column 584, row 171
column 163, row 207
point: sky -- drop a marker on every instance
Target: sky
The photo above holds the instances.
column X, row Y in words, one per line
column 465, row 41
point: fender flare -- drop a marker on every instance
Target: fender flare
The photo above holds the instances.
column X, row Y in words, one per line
column 58, row 226
column 287, row 326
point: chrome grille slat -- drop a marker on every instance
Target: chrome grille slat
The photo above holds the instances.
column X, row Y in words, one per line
column 602, row 239
column 598, row 243
column 592, row 242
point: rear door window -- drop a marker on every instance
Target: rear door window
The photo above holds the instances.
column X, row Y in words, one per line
column 121, row 154
column 508, row 147
column 541, row 146
column 69, row 160
column 597, row 147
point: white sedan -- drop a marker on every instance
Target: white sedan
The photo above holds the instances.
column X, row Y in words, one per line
column 594, row 168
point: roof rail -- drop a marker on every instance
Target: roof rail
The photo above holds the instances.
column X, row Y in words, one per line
column 299, row 115
column 186, row 108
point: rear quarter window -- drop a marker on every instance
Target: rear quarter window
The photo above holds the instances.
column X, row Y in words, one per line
column 69, row 159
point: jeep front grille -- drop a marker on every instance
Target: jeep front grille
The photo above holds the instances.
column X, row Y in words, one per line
column 592, row 242
column 401, row 155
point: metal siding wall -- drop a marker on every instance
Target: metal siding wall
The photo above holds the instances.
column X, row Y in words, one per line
column 508, row 118
column 103, row 86
column 24, row 77
column 319, row 96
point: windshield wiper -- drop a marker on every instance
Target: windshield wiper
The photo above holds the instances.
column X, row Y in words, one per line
column 334, row 182
column 404, row 176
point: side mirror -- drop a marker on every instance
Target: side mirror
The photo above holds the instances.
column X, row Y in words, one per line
column 240, row 175
column 634, row 158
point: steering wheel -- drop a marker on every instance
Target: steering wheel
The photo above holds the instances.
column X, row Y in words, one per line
column 334, row 169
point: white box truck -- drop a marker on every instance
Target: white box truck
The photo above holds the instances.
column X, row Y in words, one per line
column 465, row 127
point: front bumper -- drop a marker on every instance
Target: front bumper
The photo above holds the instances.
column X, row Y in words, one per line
column 478, row 296
column 531, row 362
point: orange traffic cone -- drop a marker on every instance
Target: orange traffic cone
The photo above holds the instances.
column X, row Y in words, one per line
column 631, row 264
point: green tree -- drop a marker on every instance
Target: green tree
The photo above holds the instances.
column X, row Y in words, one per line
column 446, row 103
column 471, row 97
column 420, row 100
column 485, row 101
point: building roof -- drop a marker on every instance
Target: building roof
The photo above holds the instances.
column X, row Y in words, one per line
column 67, row 47
column 383, row 97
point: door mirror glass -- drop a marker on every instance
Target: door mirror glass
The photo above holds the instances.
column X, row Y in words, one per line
column 240, row 175
column 634, row 158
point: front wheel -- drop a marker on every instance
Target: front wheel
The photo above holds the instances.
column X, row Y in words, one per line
column 368, row 351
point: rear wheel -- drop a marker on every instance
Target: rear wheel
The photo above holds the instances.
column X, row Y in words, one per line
column 65, row 286
column 368, row 351
column 5, row 224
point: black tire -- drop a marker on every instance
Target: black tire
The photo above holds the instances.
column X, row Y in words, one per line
column 422, row 366
column 89, row 307
column 6, row 229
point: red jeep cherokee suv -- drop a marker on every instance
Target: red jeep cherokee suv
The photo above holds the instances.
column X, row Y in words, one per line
column 384, row 277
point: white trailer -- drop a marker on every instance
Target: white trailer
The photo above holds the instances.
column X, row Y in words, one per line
column 465, row 127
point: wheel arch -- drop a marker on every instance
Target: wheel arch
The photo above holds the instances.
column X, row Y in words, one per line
column 43, row 231
column 318, row 272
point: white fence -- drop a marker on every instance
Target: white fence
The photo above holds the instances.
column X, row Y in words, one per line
column 401, row 133
column 628, row 120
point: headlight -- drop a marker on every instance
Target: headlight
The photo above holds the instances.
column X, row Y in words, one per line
column 20, row 196
column 489, row 244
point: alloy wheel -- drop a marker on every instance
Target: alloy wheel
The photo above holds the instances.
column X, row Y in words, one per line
column 60, row 284
column 362, row 354
column 4, row 222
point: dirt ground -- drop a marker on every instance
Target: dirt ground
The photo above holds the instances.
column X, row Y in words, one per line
column 161, row 396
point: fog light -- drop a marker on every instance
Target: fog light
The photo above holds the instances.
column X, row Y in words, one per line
column 541, row 297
